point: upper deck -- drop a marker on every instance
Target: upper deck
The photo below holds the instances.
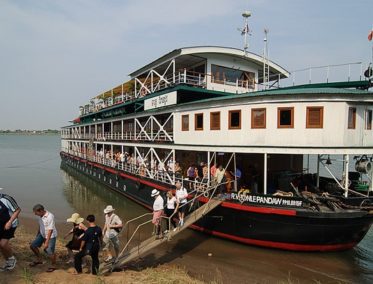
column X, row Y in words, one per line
column 221, row 69
column 205, row 72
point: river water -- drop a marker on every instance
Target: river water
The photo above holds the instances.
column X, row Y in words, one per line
column 30, row 171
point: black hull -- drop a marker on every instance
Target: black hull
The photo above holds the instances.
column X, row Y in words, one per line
column 267, row 226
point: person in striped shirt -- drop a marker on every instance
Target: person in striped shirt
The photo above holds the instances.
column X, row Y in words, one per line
column 9, row 211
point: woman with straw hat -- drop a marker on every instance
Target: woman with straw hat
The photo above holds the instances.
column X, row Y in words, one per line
column 77, row 231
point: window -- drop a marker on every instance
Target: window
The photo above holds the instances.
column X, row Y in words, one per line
column 215, row 120
column 285, row 117
column 368, row 119
column 314, row 117
column 351, row 118
column 185, row 122
column 230, row 76
column 234, row 119
column 198, row 121
column 258, row 118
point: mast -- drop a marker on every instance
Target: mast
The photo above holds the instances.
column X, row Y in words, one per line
column 265, row 61
column 245, row 31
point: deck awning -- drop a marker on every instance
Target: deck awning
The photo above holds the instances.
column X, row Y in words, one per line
column 189, row 56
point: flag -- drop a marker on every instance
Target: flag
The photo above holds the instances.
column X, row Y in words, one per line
column 370, row 35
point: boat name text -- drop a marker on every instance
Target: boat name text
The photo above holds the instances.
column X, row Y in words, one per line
column 160, row 101
column 269, row 200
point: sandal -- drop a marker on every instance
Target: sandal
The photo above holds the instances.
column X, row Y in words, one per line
column 51, row 269
column 35, row 263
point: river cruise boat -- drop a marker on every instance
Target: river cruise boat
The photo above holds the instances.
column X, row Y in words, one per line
column 208, row 115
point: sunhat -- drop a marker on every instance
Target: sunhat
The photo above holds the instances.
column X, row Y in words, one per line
column 154, row 192
column 75, row 218
column 108, row 209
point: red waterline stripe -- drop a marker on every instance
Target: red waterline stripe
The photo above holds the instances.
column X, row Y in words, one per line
column 144, row 181
column 270, row 244
column 262, row 210
column 110, row 170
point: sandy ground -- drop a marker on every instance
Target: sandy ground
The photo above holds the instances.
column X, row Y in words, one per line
column 64, row 274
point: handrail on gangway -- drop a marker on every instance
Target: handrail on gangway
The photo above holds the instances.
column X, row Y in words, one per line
column 127, row 254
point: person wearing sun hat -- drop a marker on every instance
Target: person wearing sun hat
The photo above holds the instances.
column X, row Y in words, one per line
column 77, row 231
column 113, row 225
column 158, row 206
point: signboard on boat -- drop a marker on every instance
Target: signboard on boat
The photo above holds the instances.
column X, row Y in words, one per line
column 267, row 200
column 161, row 101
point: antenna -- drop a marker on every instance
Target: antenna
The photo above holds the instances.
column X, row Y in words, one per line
column 245, row 31
column 265, row 60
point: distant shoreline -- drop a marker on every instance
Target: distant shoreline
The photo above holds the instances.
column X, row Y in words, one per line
column 30, row 132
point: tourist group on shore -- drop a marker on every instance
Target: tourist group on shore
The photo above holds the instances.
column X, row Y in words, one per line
column 87, row 238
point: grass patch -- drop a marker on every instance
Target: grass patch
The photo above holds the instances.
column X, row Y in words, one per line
column 27, row 276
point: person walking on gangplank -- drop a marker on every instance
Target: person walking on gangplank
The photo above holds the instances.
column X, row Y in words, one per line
column 158, row 206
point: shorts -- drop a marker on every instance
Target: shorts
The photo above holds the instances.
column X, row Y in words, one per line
column 182, row 207
column 39, row 240
column 113, row 241
column 157, row 217
column 7, row 234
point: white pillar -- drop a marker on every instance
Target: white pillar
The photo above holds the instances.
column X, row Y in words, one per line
column 308, row 163
column 318, row 172
column 112, row 130
column 173, row 71
column 173, row 168
column 209, row 166
column 235, row 172
column 265, row 174
column 346, row 159
column 151, row 127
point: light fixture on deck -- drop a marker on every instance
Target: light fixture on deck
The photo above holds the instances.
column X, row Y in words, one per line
column 328, row 161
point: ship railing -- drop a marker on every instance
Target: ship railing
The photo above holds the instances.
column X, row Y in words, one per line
column 346, row 72
column 328, row 73
column 125, row 136
column 162, row 175
column 143, row 136
column 154, row 136
column 165, row 175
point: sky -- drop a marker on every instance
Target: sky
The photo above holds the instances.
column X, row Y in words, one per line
column 56, row 55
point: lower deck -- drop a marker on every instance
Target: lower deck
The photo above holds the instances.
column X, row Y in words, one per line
column 249, row 221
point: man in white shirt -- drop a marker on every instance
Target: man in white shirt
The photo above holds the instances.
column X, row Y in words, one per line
column 158, row 206
column 220, row 178
column 113, row 225
column 46, row 236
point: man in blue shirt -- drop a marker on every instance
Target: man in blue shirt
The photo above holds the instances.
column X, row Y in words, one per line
column 90, row 245
column 9, row 211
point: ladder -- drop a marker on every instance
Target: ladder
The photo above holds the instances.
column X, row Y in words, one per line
column 150, row 243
